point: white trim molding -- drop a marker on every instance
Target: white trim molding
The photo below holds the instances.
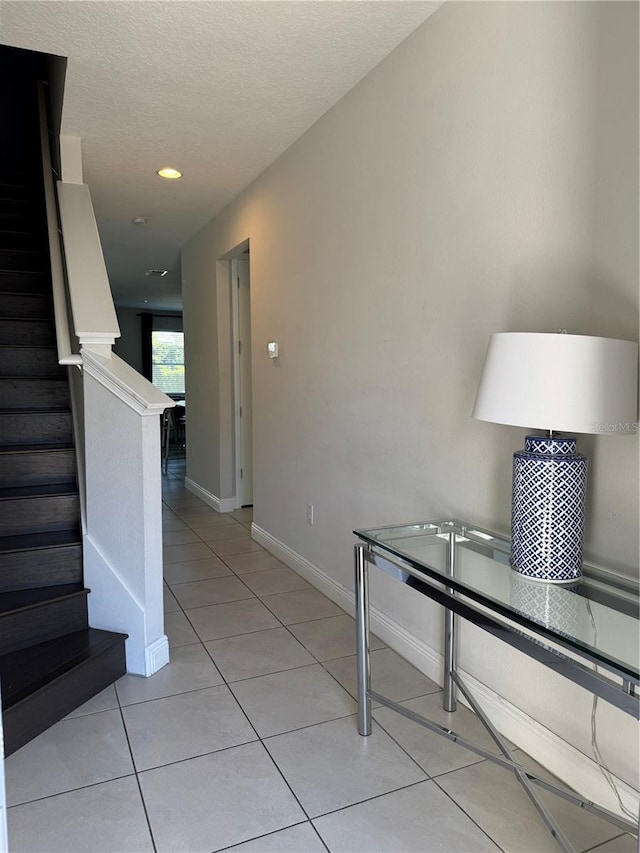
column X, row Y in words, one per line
column 219, row 504
column 578, row 770
column 125, row 383
column 156, row 655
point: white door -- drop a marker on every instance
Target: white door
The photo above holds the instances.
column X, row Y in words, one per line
column 244, row 422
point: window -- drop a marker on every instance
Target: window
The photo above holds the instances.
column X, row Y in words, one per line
column 167, row 361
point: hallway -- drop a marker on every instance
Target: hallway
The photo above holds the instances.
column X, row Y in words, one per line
column 247, row 740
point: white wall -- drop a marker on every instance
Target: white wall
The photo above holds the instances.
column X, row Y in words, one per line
column 467, row 185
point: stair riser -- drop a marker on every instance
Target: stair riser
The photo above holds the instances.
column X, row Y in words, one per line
column 19, row 192
column 26, row 306
column 26, row 361
column 35, row 428
column 22, row 261
column 40, row 567
column 39, row 624
column 25, row 393
column 13, row 177
column 20, row 206
column 33, row 715
column 16, row 224
column 38, row 515
column 38, row 468
column 25, row 282
column 40, row 333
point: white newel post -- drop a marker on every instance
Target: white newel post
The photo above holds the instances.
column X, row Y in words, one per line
column 123, row 536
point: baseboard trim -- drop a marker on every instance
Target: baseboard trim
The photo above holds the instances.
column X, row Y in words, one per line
column 156, row 655
column 219, row 504
column 552, row 752
column 579, row 771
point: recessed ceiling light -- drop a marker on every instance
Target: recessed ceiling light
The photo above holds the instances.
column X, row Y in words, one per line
column 169, row 173
column 156, row 273
column 139, row 220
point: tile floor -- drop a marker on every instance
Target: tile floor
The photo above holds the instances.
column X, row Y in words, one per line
column 247, row 740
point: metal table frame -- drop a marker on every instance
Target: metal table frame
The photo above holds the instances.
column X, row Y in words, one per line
column 494, row 618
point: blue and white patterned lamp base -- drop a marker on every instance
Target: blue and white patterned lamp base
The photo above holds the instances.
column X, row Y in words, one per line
column 547, row 511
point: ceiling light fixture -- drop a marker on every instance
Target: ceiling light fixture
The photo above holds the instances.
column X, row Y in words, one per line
column 169, row 173
column 139, row 220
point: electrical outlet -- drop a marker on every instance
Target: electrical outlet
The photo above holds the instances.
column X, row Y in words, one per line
column 309, row 513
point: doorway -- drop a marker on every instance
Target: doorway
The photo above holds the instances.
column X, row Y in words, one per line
column 243, row 414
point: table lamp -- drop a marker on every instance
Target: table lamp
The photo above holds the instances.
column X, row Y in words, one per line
column 559, row 383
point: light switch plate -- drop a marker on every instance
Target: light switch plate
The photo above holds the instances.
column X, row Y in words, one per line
column 272, row 349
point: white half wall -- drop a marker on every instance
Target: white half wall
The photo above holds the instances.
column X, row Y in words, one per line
column 122, row 545
column 482, row 178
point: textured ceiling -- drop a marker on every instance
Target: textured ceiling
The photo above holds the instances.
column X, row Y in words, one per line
column 216, row 89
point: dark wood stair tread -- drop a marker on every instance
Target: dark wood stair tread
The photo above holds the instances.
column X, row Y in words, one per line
column 27, row 670
column 26, row 599
column 48, row 490
column 50, row 680
column 35, row 448
column 37, row 412
column 38, row 541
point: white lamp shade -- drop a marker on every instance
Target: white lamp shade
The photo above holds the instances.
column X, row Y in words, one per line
column 565, row 383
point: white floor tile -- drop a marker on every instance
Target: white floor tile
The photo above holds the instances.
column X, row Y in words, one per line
column 190, row 668
column 301, row 606
column 219, row 533
column 260, row 561
column 203, row 516
column 331, row 766
column 391, row 676
column 418, row 818
column 184, row 726
column 170, row 603
column 234, row 545
column 179, row 630
column 72, row 754
column 208, row 592
column 178, row 537
column 181, row 553
column 171, row 523
column 217, row 800
column 274, row 581
column 290, row 700
column 109, row 816
column 331, row 638
column 195, row 570
column 622, row 844
column 229, row 620
column 495, row 801
column 106, row 700
column 296, row 839
column 260, row 653
column 434, row 753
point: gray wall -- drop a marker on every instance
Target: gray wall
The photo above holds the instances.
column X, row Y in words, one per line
column 482, row 178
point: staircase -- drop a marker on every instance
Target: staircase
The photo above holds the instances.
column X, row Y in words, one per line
column 50, row 660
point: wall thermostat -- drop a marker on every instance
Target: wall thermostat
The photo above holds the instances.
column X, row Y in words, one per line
column 272, row 349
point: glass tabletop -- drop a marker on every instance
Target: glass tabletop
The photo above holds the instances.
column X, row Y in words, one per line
column 598, row 615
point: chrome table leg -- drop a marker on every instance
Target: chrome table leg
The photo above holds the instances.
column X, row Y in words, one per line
column 363, row 669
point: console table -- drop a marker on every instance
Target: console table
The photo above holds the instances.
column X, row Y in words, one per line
column 588, row 633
